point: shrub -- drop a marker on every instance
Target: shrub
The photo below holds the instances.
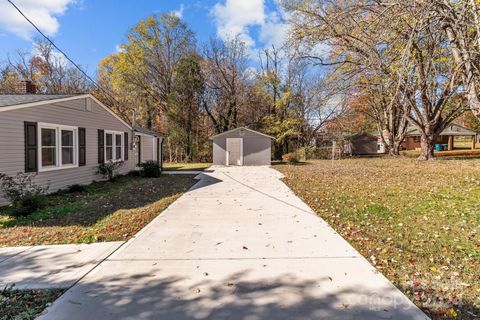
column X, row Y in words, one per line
column 150, row 169
column 323, row 153
column 76, row 188
column 30, row 203
column 25, row 195
column 109, row 170
column 134, row 173
column 291, row 158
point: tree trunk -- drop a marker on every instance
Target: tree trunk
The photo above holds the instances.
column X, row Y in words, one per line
column 427, row 147
column 463, row 58
column 394, row 150
column 393, row 145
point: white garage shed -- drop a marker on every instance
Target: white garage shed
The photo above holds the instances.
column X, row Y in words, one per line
column 242, row 147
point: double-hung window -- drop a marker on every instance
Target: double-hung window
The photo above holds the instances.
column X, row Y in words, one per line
column 49, row 147
column 114, row 146
column 58, row 147
column 118, row 147
column 68, row 147
column 108, row 146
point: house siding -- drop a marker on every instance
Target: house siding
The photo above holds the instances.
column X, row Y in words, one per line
column 257, row 149
column 414, row 142
column 68, row 113
column 147, row 148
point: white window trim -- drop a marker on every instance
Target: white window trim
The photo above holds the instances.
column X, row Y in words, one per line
column 58, row 147
column 138, row 146
column 113, row 133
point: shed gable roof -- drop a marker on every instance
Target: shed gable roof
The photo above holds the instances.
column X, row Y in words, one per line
column 241, row 128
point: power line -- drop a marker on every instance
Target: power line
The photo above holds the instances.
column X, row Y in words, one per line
column 63, row 53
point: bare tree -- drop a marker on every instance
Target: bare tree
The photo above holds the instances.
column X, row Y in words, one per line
column 460, row 20
column 49, row 70
column 434, row 98
column 356, row 50
column 394, row 51
column 224, row 73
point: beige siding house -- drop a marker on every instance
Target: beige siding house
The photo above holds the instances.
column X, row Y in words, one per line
column 242, row 147
column 148, row 146
column 63, row 138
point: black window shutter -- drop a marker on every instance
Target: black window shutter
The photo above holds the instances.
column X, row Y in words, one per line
column 139, row 150
column 158, row 150
column 101, row 146
column 31, row 150
column 126, row 145
column 82, row 147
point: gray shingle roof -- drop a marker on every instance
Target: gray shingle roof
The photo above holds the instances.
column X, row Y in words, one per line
column 7, row 100
column 147, row 132
column 452, row 130
column 241, row 128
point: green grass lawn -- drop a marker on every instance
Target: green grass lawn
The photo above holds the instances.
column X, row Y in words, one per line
column 105, row 211
column 25, row 304
column 194, row 166
column 417, row 222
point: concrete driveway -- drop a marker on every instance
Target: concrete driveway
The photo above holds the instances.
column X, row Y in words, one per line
column 54, row 266
column 238, row 245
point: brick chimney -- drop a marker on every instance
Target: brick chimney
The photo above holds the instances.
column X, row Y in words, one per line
column 25, row 87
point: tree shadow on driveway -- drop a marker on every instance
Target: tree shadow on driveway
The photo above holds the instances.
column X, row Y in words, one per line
column 236, row 296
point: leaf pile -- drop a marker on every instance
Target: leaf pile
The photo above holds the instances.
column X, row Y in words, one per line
column 25, row 304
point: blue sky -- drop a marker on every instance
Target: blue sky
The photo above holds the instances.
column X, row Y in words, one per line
column 89, row 30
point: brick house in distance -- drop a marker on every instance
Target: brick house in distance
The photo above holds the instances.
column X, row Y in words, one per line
column 446, row 139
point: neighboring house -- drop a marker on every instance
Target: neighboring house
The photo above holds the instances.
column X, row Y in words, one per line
column 63, row 138
column 362, row 143
column 356, row 144
column 242, row 147
column 446, row 138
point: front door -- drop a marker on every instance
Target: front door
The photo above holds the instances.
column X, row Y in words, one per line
column 234, row 151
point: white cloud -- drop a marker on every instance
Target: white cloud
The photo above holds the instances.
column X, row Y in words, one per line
column 179, row 12
column 235, row 17
column 275, row 30
column 43, row 13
